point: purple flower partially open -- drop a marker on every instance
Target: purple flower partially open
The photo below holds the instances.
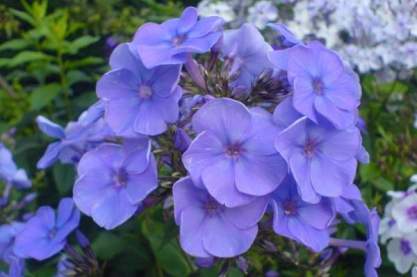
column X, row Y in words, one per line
column 8, row 234
column 45, row 233
column 324, row 88
column 208, row 228
column 113, row 180
column 321, row 159
column 233, row 155
column 249, row 60
column 138, row 100
column 9, row 173
column 304, row 222
column 77, row 138
column 171, row 41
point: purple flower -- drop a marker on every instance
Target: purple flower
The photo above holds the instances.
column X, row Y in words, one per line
column 7, row 236
column 344, row 205
column 45, row 233
column 248, row 51
column 77, row 138
column 304, row 222
column 208, row 228
column 323, row 87
column 137, row 99
column 233, row 151
column 171, row 41
column 113, row 180
column 322, row 160
column 16, row 268
column 370, row 219
column 9, row 172
column 286, row 38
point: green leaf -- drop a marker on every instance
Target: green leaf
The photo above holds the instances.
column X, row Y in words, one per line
column 168, row 253
column 85, row 62
column 43, row 95
column 24, row 16
column 80, row 43
column 383, row 184
column 25, row 57
column 64, row 177
column 76, row 76
column 108, row 245
column 14, row 44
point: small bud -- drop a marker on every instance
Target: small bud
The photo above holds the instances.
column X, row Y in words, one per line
column 242, row 264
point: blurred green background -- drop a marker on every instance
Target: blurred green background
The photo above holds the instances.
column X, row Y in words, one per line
column 51, row 55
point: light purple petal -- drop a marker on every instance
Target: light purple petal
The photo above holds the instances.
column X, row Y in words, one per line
column 193, row 231
column 50, row 128
column 223, row 239
column 341, row 119
column 315, row 239
column 249, row 215
column 229, row 119
column 219, row 179
column 300, row 168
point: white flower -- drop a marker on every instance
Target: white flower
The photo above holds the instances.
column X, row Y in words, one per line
column 401, row 251
column 388, row 227
column 405, row 213
column 262, row 13
column 414, row 272
column 222, row 9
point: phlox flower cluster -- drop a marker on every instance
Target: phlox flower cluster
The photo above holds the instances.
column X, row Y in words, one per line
column 398, row 228
column 238, row 132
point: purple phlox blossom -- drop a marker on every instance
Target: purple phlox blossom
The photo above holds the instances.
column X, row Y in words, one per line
column 16, row 268
column 113, row 180
column 321, row 159
column 298, row 220
column 404, row 212
column 9, row 173
column 77, row 137
column 344, row 204
column 323, row 87
column 171, row 41
column 233, row 151
column 285, row 114
column 371, row 220
column 8, row 234
column 285, row 38
column 139, row 100
column 208, row 228
column 45, row 234
column 247, row 51
column 181, row 139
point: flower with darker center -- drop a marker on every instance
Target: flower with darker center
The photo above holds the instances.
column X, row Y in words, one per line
column 52, row 233
column 310, row 147
column 145, row 92
column 412, row 212
column 234, row 150
column 405, row 247
column 121, row 177
column 290, row 207
column 178, row 40
column 318, row 86
column 212, row 207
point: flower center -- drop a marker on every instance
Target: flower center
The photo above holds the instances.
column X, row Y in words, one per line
column 412, row 212
column 318, row 86
column 290, row 207
column 309, row 148
column 178, row 40
column 234, row 150
column 121, row 177
column 145, row 91
column 212, row 207
column 52, row 233
column 405, row 247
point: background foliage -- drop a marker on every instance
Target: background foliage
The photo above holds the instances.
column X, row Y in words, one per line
column 51, row 55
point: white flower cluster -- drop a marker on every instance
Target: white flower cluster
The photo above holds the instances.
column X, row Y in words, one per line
column 372, row 35
column 234, row 12
column 399, row 228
